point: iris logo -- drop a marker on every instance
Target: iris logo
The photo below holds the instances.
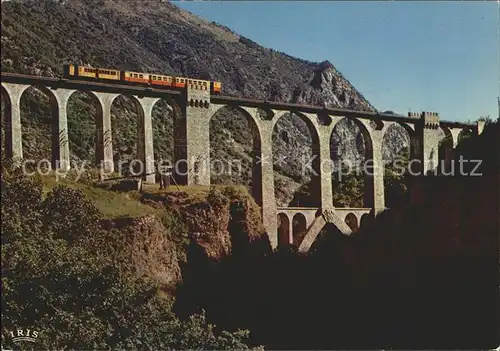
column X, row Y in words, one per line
column 23, row 335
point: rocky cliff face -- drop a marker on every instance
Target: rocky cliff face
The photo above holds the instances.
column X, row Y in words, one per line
column 156, row 36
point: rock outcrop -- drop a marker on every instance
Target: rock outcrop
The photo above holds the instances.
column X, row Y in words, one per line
column 38, row 37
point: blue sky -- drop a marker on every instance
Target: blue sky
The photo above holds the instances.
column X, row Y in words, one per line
column 431, row 56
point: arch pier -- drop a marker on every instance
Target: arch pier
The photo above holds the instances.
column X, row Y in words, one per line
column 193, row 109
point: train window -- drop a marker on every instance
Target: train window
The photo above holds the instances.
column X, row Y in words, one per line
column 140, row 75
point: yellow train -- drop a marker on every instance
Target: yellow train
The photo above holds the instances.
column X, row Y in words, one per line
column 72, row 71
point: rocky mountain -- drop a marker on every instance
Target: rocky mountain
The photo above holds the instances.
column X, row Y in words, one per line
column 156, row 36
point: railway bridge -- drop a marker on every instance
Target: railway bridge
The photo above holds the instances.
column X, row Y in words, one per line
column 193, row 110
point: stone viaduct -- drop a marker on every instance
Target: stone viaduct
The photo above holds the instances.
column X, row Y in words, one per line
column 193, row 110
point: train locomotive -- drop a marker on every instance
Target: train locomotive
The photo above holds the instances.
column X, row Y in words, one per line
column 73, row 71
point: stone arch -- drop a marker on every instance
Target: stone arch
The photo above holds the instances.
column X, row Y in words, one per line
column 464, row 134
column 397, row 151
column 296, row 184
column 84, row 112
column 126, row 112
column 163, row 121
column 6, row 110
column 229, row 127
column 283, row 229
column 352, row 221
column 445, row 148
column 353, row 189
column 38, row 109
column 299, row 227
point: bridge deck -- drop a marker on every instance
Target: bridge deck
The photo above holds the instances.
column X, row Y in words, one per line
column 86, row 85
column 217, row 99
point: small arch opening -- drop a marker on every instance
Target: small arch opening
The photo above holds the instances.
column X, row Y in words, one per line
column 365, row 221
column 299, row 226
column 352, row 222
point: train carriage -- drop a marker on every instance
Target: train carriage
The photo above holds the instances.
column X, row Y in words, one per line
column 73, row 71
column 105, row 73
column 180, row 82
column 136, row 77
column 86, row 72
column 216, row 87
